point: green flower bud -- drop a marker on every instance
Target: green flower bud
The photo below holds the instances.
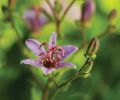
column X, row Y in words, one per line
column 86, row 75
column 112, row 15
column 93, row 47
column 87, row 67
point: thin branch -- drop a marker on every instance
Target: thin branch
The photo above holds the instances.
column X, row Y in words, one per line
column 57, row 89
column 17, row 33
column 10, row 13
column 52, row 9
column 83, row 44
column 66, row 10
column 20, row 46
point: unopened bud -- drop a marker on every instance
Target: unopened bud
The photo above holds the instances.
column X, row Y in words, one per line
column 35, row 19
column 86, row 75
column 87, row 67
column 88, row 9
column 112, row 15
column 93, row 47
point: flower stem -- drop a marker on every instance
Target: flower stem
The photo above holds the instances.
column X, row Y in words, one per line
column 46, row 90
column 10, row 13
column 58, row 24
column 58, row 20
column 45, row 93
column 67, row 9
column 82, row 30
column 107, row 31
column 52, row 9
column 17, row 33
column 57, row 89
column 19, row 40
column 83, row 44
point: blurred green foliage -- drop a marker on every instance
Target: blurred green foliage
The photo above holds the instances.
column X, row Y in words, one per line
column 16, row 81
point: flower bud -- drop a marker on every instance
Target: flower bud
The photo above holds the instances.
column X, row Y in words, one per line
column 35, row 19
column 93, row 47
column 88, row 9
column 87, row 67
column 11, row 3
column 112, row 15
column 86, row 75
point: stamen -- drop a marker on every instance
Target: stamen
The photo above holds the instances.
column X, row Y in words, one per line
column 52, row 56
column 43, row 44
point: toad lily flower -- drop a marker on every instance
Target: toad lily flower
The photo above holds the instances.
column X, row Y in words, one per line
column 50, row 55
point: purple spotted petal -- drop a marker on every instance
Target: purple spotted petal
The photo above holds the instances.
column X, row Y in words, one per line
column 46, row 70
column 65, row 64
column 31, row 62
column 37, row 64
column 52, row 41
column 34, row 46
column 68, row 50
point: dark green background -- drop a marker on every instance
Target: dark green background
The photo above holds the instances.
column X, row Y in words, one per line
column 16, row 81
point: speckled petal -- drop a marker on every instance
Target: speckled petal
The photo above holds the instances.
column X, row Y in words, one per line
column 52, row 41
column 31, row 62
column 47, row 71
column 37, row 64
column 34, row 46
column 66, row 64
column 68, row 50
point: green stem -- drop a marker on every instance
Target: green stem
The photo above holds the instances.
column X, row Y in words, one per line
column 83, row 44
column 46, row 90
column 52, row 9
column 67, row 9
column 58, row 24
column 68, row 81
column 57, row 19
column 17, row 33
column 20, row 47
column 14, row 27
column 37, row 81
column 76, row 75
column 102, row 34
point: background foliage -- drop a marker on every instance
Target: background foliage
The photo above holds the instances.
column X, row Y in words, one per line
column 16, row 80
